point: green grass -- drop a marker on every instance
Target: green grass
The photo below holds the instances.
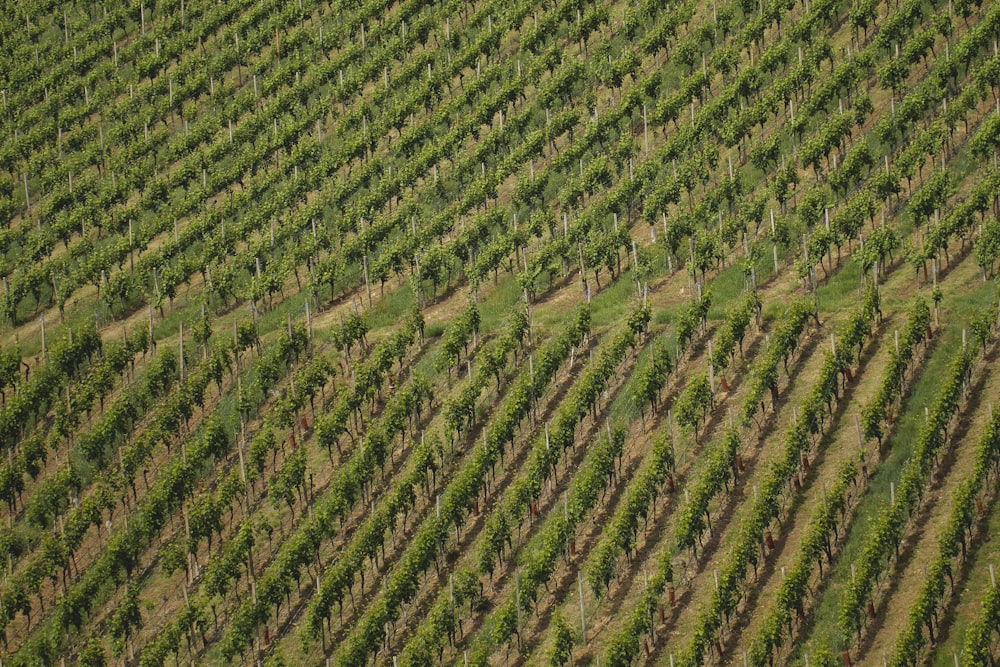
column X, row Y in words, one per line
column 390, row 310
column 726, row 288
column 842, row 292
column 613, row 303
column 498, row 306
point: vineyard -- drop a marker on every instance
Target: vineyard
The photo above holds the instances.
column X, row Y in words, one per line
column 500, row 334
